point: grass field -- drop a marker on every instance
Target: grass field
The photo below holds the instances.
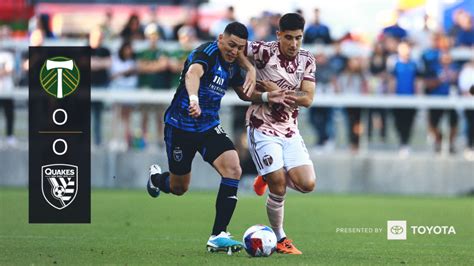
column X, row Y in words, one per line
column 128, row 227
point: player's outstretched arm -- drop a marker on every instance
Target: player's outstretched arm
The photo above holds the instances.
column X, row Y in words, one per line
column 305, row 96
column 192, row 78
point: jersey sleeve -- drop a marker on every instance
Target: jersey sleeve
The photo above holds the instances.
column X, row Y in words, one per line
column 207, row 61
column 237, row 79
column 310, row 69
column 255, row 49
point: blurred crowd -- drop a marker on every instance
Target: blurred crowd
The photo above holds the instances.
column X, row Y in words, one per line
column 390, row 68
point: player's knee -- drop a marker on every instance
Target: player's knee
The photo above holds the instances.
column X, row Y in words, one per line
column 179, row 190
column 309, row 186
column 278, row 188
column 233, row 171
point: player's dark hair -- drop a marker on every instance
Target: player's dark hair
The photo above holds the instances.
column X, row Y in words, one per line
column 238, row 29
column 291, row 21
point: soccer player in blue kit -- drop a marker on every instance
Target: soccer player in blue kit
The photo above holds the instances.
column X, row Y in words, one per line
column 192, row 125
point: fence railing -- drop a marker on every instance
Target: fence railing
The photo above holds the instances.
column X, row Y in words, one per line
column 324, row 100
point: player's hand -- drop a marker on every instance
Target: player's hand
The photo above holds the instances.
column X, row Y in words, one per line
column 194, row 109
column 268, row 85
column 250, row 82
column 283, row 97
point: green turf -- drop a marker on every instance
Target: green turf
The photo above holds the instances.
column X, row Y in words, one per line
column 128, row 227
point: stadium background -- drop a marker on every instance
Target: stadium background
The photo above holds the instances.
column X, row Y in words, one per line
column 364, row 187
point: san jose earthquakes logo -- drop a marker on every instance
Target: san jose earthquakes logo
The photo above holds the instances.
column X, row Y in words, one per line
column 177, row 154
column 59, row 184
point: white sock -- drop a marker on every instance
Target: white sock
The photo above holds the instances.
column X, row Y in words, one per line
column 275, row 212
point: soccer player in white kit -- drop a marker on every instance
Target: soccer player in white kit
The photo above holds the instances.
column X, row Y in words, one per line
column 286, row 74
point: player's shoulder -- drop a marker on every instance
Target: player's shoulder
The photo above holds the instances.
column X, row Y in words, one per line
column 307, row 57
column 305, row 54
column 207, row 48
column 257, row 46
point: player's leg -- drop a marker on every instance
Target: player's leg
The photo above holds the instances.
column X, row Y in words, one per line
column 219, row 151
column 181, row 148
column 302, row 178
column 453, row 130
column 434, row 116
column 275, row 204
column 298, row 164
column 259, row 184
column 267, row 154
column 276, row 209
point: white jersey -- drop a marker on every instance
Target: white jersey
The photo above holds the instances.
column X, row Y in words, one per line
column 272, row 65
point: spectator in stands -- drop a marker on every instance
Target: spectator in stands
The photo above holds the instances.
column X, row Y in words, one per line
column 391, row 36
column 274, row 20
column 251, row 28
column 456, row 27
column 466, row 84
column 462, row 31
column 352, row 81
column 262, row 29
column 395, row 31
column 44, row 26
column 317, row 32
column 446, row 75
column 187, row 41
column 378, row 85
column 192, row 19
column 465, row 35
column 100, row 77
column 338, row 61
column 123, row 78
column 7, row 65
column 422, row 37
column 156, row 24
column 321, row 117
column 219, row 26
column 106, row 26
column 36, row 39
column 133, row 29
column 430, row 58
column 152, row 65
column 404, row 83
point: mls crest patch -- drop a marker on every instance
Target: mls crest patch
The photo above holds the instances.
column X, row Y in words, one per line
column 59, row 184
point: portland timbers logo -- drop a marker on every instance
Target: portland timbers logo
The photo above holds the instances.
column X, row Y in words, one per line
column 59, row 76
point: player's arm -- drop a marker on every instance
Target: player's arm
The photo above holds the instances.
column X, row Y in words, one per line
column 251, row 76
column 192, row 79
column 277, row 96
column 304, row 97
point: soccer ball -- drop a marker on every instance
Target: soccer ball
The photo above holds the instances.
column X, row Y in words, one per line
column 260, row 241
column 58, row 192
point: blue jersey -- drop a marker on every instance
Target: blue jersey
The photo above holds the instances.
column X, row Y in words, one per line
column 405, row 74
column 218, row 76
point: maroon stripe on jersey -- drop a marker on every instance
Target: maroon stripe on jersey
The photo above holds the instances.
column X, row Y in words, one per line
column 309, row 79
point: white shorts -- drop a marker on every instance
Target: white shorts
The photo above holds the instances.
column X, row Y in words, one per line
column 272, row 153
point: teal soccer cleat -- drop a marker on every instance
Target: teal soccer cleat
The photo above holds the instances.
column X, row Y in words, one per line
column 223, row 242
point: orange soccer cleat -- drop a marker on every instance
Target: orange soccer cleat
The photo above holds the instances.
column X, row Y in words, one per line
column 259, row 185
column 286, row 247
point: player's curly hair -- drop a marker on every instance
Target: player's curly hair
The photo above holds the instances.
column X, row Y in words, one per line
column 238, row 29
column 291, row 21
